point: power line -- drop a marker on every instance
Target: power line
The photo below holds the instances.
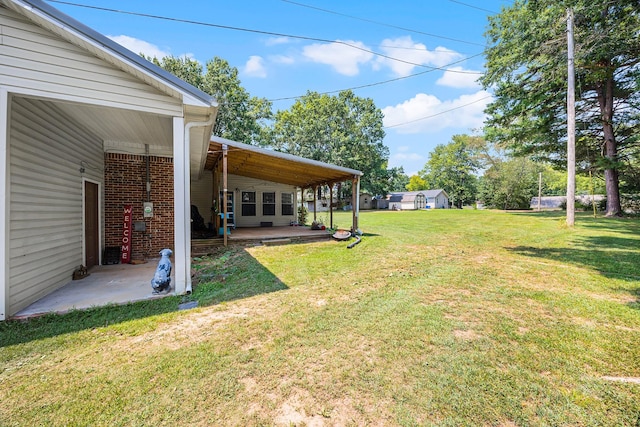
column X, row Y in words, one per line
column 474, row 7
column 376, row 83
column 439, row 113
column 270, row 33
column 381, row 23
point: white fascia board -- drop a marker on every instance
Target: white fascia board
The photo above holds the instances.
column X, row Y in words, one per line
column 190, row 94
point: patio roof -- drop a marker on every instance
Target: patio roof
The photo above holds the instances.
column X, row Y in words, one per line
column 260, row 163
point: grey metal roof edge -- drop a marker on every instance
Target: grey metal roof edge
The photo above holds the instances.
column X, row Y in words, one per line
column 285, row 156
column 435, row 192
column 61, row 18
column 407, row 193
column 426, row 193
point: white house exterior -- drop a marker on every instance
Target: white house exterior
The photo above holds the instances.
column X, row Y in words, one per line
column 252, row 202
column 259, row 203
column 436, row 199
column 69, row 96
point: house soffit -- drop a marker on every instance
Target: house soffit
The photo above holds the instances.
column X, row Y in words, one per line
column 258, row 163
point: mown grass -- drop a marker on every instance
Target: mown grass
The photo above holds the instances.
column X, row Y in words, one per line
column 437, row 318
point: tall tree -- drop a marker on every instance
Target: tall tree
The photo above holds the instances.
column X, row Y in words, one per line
column 416, row 183
column 452, row 167
column 526, row 66
column 510, row 184
column 241, row 117
column 554, row 182
column 398, row 180
column 344, row 130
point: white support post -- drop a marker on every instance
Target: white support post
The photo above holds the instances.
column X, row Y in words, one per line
column 187, row 210
column 355, row 202
column 4, row 203
column 225, row 194
column 186, row 199
column 181, row 263
column 357, row 206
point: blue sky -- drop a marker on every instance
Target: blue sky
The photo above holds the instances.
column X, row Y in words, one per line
column 410, row 36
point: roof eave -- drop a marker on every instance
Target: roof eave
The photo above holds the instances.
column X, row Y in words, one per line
column 191, row 95
column 284, row 156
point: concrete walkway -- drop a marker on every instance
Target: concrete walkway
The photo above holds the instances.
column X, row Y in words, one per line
column 106, row 284
column 123, row 283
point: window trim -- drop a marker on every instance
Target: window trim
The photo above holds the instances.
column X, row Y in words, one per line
column 272, row 205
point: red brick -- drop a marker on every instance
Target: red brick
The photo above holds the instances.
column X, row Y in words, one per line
column 125, row 184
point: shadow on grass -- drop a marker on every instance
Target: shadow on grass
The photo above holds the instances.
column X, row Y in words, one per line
column 226, row 276
column 625, row 224
column 629, row 225
column 533, row 212
column 615, row 255
column 618, row 263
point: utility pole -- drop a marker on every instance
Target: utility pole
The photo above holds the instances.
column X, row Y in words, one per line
column 571, row 124
column 539, row 190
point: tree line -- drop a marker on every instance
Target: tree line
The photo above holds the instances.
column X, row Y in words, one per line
column 471, row 169
column 344, row 130
column 527, row 72
column 524, row 135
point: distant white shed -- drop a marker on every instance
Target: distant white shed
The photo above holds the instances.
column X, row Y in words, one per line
column 410, row 200
column 437, row 199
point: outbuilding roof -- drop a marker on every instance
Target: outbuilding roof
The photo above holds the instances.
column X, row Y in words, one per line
column 405, row 196
column 434, row 193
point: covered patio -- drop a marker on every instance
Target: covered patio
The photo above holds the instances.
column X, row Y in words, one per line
column 226, row 157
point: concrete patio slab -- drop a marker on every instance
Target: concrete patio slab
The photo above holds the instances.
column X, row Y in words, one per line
column 106, row 284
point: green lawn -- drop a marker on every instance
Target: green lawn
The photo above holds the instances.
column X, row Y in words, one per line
column 443, row 318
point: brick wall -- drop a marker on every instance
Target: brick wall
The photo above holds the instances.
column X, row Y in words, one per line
column 125, row 184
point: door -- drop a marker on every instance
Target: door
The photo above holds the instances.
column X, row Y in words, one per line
column 91, row 229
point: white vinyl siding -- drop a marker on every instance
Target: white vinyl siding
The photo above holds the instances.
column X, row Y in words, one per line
column 238, row 184
column 46, row 151
column 35, row 59
column 439, row 202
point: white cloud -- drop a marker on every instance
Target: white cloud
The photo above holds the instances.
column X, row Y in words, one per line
column 344, row 59
column 410, row 53
column 459, row 78
column 428, row 114
column 399, row 157
column 255, row 67
column 140, row 46
column 282, row 59
column 277, row 40
column 407, row 160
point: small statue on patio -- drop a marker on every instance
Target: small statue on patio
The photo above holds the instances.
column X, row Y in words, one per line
column 161, row 281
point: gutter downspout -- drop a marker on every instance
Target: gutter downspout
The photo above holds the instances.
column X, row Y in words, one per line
column 187, row 194
column 357, row 230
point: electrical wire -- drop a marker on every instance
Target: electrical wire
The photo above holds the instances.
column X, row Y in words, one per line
column 381, row 23
column 270, row 33
column 474, row 7
column 438, row 114
column 378, row 83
